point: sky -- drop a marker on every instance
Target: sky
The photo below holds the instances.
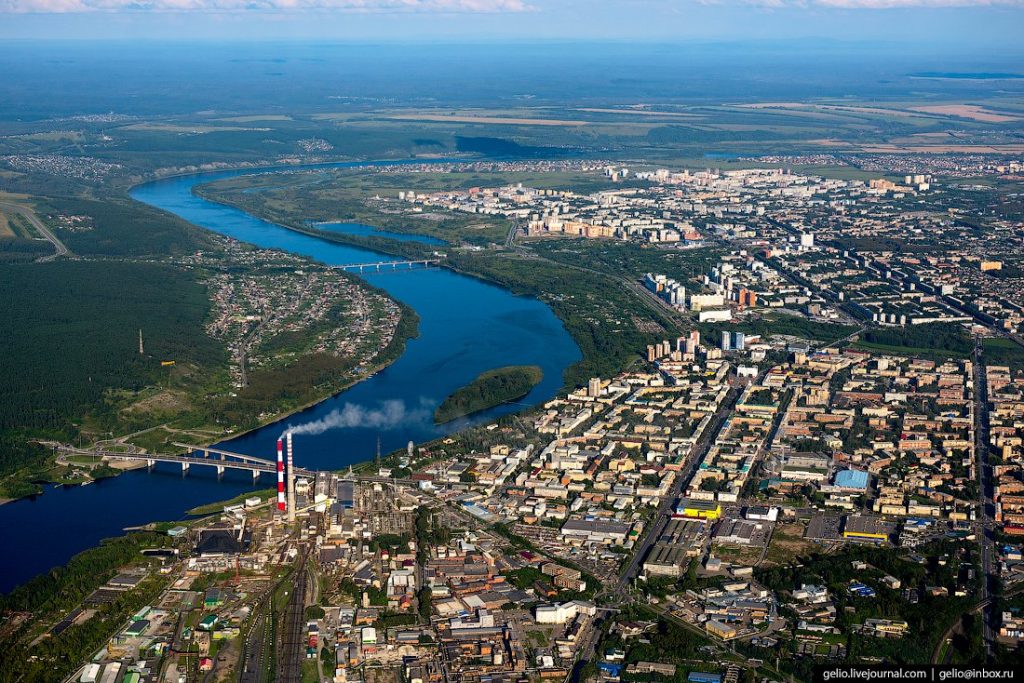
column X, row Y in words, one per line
column 980, row 24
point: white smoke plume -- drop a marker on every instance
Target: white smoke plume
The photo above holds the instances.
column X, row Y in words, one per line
column 389, row 415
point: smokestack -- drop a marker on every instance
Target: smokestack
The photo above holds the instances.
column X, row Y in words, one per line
column 280, row 477
column 291, row 481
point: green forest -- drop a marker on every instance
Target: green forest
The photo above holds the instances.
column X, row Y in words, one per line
column 126, row 228
column 72, row 339
column 490, row 389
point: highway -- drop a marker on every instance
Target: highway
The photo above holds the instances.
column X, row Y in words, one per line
column 663, row 514
column 31, row 217
column 684, row 476
column 989, row 582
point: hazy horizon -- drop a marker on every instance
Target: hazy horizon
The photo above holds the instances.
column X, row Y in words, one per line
column 988, row 24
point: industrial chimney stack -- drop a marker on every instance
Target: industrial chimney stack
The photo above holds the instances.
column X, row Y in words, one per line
column 291, row 481
column 280, row 477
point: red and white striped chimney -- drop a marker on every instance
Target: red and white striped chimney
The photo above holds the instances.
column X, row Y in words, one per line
column 291, row 480
column 280, row 476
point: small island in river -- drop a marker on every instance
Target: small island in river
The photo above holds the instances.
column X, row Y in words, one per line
column 490, row 389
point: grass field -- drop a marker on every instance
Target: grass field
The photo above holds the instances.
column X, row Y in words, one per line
column 5, row 226
column 187, row 128
column 1000, row 351
column 212, row 508
column 919, row 352
column 257, row 117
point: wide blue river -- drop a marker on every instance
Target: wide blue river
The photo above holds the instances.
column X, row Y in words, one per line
column 466, row 327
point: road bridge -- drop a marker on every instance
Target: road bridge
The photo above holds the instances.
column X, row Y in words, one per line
column 223, row 459
column 379, row 266
column 194, row 455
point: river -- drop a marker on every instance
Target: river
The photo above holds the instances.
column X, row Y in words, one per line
column 467, row 326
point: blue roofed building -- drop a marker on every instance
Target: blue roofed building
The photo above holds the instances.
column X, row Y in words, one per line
column 704, row 677
column 852, row 480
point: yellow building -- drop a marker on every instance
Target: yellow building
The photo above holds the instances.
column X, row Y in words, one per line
column 692, row 508
column 860, row 527
column 720, row 629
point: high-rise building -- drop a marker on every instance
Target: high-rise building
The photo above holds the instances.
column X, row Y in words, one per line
column 739, row 342
column 726, row 340
column 594, row 387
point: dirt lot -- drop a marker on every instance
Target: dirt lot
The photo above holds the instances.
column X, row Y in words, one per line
column 966, row 111
column 787, row 543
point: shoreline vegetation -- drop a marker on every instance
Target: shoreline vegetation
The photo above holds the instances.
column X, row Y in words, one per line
column 137, row 396
column 488, row 390
column 607, row 346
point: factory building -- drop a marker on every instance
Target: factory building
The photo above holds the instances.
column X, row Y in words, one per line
column 860, row 527
column 691, row 508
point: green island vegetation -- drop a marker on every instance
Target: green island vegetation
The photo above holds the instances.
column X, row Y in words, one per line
column 358, row 196
column 489, row 389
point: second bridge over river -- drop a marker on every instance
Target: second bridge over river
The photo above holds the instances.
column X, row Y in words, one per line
column 380, row 266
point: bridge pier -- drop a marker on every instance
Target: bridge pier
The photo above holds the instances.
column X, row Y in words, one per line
column 150, row 464
column 220, row 471
column 184, row 467
column 255, row 476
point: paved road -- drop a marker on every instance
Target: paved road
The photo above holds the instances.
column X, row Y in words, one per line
column 663, row 514
column 684, row 476
column 31, row 217
column 989, row 580
column 511, row 238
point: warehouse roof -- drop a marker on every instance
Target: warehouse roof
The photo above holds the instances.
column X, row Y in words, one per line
column 852, row 479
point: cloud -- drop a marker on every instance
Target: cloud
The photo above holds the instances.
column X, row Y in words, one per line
column 367, row 6
column 388, row 415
